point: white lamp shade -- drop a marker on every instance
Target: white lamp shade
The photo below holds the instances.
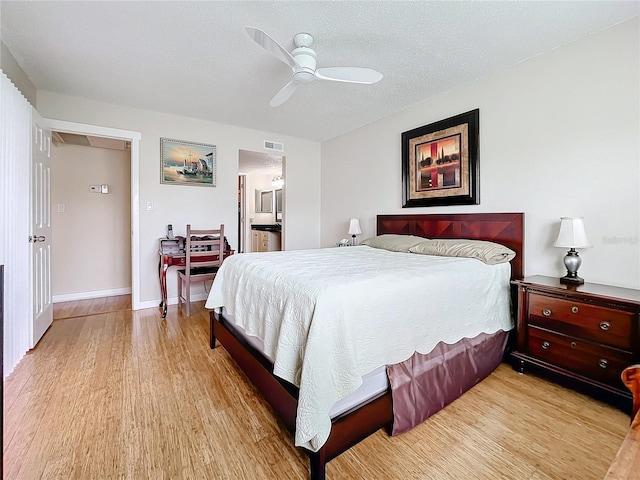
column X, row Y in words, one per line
column 354, row 227
column 572, row 233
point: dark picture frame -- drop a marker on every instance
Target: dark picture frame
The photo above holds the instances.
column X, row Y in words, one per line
column 440, row 162
column 187, row 163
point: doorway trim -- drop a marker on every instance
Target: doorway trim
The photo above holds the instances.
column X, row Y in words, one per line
column 134, row 138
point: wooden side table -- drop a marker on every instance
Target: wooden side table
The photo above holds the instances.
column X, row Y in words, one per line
column 176, row 259
column 581, row 336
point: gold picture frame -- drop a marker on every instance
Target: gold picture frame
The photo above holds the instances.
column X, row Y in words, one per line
column 440, row 164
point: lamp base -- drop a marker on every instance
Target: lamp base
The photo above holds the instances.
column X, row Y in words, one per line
column 572, row 261
column 572, row 280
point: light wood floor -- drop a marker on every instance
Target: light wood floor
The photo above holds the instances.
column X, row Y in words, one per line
column 110, row 393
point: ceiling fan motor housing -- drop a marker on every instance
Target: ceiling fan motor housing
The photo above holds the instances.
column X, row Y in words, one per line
column 306, row 58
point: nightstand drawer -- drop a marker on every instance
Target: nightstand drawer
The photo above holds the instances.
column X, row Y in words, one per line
column 582, row 336
column 592, row 322
column 585, row 358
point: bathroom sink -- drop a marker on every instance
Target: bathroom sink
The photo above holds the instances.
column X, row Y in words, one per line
column 269, row 227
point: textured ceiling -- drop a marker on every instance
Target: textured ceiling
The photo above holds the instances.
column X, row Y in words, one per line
column 61, row 139
column 195, row 59
column 256, row 162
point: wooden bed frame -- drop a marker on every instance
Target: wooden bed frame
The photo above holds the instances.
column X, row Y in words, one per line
column 355, row 425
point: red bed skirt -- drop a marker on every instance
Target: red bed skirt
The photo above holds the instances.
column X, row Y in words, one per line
column 425, row 384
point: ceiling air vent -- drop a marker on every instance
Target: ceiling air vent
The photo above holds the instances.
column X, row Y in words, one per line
column 273, row 146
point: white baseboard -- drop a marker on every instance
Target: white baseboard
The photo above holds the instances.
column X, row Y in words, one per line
column 68, row 297
column 171, row 301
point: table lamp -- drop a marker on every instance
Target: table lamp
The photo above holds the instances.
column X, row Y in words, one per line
column 354, row 229
column 572, row 235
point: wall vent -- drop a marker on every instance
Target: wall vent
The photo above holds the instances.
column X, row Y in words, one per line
column 273, row 146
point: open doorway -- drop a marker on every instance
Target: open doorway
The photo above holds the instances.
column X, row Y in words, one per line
column 90, row 199
column 133, row 138
column 261, row 193
column 242, row 211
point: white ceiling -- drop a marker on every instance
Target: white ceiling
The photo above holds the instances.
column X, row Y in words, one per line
column 195, row 59
column 256, row 162
column 62, row 138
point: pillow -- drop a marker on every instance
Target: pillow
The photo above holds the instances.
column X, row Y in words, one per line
column 392, row 242
column 488, row 252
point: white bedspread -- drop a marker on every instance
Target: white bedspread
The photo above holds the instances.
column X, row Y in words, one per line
column 329, row 316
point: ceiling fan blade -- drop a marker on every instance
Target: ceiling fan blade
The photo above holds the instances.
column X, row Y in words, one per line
column 284, row 94
column 271, row 46
column 349, row 74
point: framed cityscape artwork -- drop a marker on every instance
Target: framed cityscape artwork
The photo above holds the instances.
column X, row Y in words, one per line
column 440, row 164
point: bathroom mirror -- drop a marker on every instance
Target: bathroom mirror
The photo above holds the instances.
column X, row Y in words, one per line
column 278, row 205
column 264, row 201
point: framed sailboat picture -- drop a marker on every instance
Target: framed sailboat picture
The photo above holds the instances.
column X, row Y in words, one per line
column 187, row 163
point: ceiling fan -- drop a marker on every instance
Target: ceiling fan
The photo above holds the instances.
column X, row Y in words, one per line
column 302, row 61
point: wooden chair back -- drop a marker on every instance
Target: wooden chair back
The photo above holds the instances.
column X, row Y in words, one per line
column 631, row 378
column 626, row 464
column 204, row 243
column 204, row 252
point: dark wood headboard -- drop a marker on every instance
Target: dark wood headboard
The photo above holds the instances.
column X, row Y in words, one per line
column 504, row 228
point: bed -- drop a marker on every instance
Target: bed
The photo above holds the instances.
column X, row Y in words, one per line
column 355, row 422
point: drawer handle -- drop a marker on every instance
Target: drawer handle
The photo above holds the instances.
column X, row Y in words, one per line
column 546, row 345
column 546, row 312
column 574, row 309
column 603, row 363
column 574, row 344
column 605, row 326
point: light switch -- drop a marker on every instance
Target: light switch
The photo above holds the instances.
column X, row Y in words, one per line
column 149, row 205
column 61, row 207
column 104, row 188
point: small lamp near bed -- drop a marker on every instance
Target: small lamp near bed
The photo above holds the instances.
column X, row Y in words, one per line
column 354, row 229
column 572, row 235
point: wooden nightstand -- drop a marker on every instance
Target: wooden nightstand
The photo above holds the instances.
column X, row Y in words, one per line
column 580, row 336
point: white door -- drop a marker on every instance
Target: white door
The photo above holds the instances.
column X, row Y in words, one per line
column 40, row 229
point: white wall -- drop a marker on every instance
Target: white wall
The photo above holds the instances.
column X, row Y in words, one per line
column 180, row 205
column 559, row 136
column 17, row 76
column 91, row 239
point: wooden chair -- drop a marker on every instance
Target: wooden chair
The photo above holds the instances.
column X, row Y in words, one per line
column 626, row 465
column 631, row 378
column 200, row 246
